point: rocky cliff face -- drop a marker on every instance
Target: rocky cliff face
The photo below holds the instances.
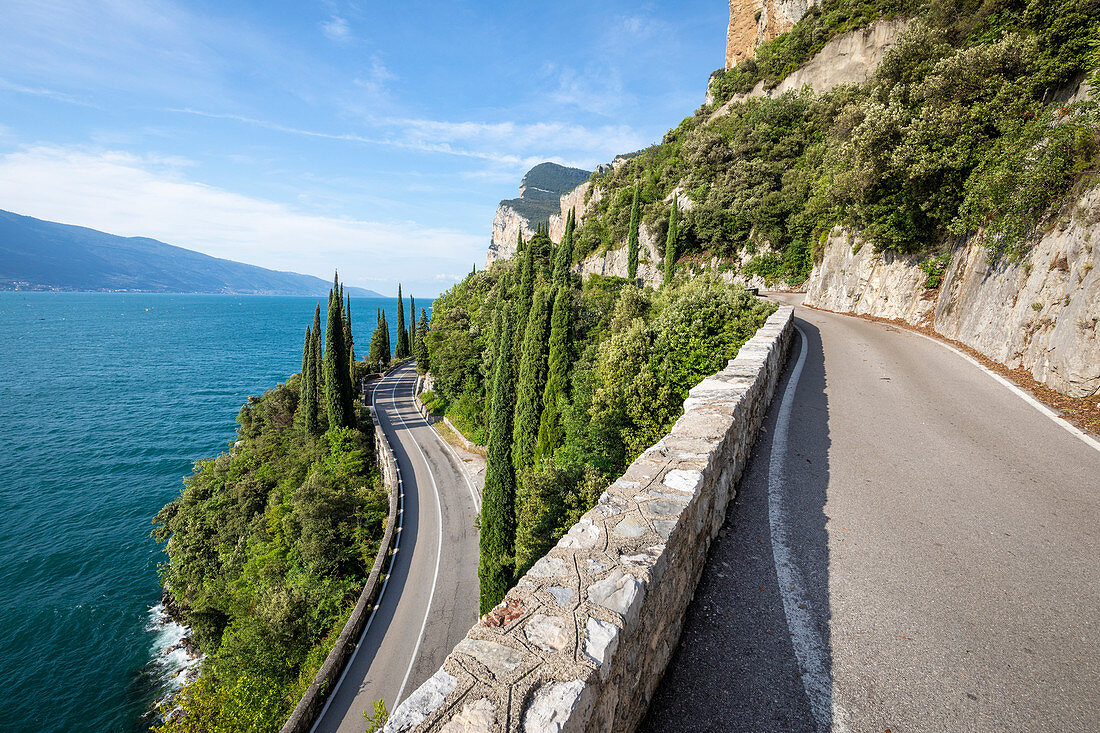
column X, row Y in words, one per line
column 850, row 58
column 540, row 194
column 1042, row 313
column 753, row 22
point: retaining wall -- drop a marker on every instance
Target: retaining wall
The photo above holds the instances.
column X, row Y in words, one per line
column 304, row 715
column 582, row 640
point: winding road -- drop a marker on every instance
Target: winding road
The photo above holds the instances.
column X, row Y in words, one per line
column 429, row 600
column 914, row 547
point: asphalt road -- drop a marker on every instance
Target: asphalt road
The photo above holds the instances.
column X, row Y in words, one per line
column 430, row 599
column 913, row 548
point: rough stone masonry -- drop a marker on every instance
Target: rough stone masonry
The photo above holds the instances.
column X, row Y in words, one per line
column 582, row 640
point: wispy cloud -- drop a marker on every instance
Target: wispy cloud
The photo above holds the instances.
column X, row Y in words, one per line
column 43, row 92
column 511, row 144
column 137, row 196
column 336, row 29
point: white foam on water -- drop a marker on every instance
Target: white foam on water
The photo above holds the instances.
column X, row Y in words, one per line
column 175, row 663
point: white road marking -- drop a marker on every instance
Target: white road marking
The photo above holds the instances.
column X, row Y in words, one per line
column 385, row 581
column 438, row 555
column 1073, row 429
column 809, row 647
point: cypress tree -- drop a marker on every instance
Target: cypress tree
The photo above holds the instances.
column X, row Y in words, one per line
column 557, row 376
column 632, row 238
column 531, row 382
column 387, row 351
column 496, row 542
column 305, row 391
column 564, row 257
column 316, row 416
column 402, row 335
column 412, row 326
column 350, row 343
column 672, row 240
column 422, row 362
column 335, row 365
column 524, row 292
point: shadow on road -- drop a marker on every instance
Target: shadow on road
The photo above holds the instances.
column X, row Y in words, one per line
column 736, row 668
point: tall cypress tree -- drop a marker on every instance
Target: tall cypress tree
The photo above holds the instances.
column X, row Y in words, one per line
column 335, row 365
column 632, row 236
column 557, row 376
column 497, row 540
column 306, row 397
column 387, row 350
column 412, row 326
column 672, row 241
column 531, row 382
column 421, row 352
column 402, row 335
column 317, row 417
column 349, row 342
column 523, row 293
column 563, row 259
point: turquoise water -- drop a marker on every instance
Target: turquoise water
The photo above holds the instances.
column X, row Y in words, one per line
column 105, row 402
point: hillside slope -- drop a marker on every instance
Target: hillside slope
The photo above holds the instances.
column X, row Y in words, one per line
column 44, row 255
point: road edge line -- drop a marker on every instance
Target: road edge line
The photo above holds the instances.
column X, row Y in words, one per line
column 809, row 651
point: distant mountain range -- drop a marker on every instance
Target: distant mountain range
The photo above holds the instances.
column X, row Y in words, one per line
column 45, row 255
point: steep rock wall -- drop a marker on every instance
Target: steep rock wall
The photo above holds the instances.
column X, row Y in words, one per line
column 507, row 224
column 572, row 201
column 850, row 58
column 753, row 22
column 1042, row 313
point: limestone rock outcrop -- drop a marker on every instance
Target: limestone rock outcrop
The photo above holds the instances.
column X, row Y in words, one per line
column 850, row 58
column 1041, row 313
column 539, row 200
column 753, row 22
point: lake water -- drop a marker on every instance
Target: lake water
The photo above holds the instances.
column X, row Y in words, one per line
column 106, row 400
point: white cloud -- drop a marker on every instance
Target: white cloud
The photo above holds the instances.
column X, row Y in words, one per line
column 516, row 146
column 129, row 195
column 336, row 29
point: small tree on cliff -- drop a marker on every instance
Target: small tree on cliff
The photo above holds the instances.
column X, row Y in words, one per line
column 632, row 236
column 497, row 540
column 672, row 240
column 402, row 335
column 422, row 361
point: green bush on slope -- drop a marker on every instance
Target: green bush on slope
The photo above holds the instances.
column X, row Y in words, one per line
column 961, row 130
column 269, row 545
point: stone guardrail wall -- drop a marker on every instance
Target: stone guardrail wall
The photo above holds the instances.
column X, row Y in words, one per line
column 309, row 707
column 583, row 639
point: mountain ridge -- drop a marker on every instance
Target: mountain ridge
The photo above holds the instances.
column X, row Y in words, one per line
column 36, row 254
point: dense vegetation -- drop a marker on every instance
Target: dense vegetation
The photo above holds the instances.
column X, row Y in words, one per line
column 567, row 383
column 269, row 545
column 963, row 129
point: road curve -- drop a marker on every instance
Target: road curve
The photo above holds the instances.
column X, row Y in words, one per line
column 430, row 598
column 938, row 541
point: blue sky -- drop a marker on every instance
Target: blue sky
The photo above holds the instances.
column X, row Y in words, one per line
column 373, row 137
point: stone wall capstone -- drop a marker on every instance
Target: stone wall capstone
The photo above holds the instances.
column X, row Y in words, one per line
column 582, row 640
